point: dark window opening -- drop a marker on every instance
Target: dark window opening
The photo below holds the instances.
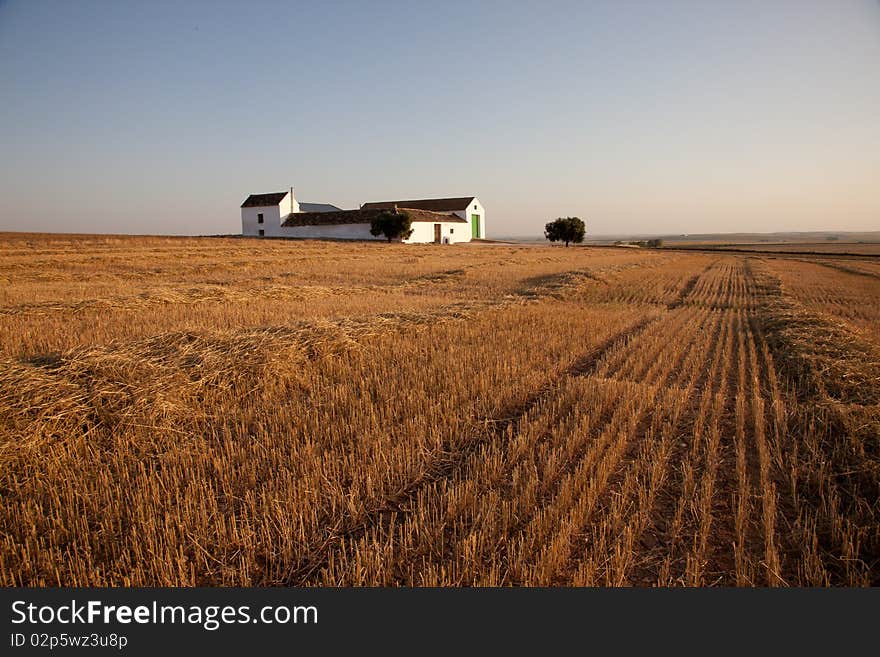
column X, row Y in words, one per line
column 260, row 218
column 451, row 230
column 262, row 232
column 475, row 207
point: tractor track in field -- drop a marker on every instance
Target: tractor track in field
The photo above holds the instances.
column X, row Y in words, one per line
column 586, row 450
column 585, row 367
column 624, row 467
column 700, row 543
column 657, row 539
column 445, row 466
column 589, row 367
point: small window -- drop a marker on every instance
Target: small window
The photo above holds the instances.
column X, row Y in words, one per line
column 475, row 206
column 451, row 230
column 260, row 218
column 262, row 232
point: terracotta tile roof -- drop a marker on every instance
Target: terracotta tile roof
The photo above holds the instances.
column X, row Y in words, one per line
column 432, row 204
column 433, row 217
column 362, row 216
column 263, row 200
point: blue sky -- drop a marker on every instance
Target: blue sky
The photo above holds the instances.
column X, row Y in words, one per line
column 640, row 117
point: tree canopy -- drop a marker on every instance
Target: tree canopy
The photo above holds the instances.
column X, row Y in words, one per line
column 393, row 225
column 565, row 229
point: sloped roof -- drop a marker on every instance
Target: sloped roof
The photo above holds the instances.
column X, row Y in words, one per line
column 318, row 207
column 263, row 200
column 432, row 204
column 362, row 216
column 433, row 217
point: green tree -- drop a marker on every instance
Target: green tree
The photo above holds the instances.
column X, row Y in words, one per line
column 395, row 225
column 565, row 229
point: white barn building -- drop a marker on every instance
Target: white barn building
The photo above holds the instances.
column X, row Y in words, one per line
column 468, row 208
column 442, row 221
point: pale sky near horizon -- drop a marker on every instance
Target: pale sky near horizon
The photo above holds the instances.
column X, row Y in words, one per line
column 638, row 116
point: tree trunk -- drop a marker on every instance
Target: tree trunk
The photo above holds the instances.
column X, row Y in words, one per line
column 566, row 244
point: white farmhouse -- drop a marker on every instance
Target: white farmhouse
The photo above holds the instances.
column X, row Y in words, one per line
column 263, row 214
column 442, row 221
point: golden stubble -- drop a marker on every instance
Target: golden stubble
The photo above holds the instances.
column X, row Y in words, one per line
column 179, row 411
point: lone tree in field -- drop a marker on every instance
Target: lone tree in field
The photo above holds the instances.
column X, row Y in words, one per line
column 395, row 225
column 565, row 229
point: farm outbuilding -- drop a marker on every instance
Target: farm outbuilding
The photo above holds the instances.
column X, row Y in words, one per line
column 468, row 208
column 441, row 221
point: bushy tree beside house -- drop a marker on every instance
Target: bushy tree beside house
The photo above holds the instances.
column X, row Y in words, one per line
column 565, row 229
column 395, row 225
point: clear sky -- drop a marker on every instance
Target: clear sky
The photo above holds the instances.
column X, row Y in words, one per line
column 638, row 116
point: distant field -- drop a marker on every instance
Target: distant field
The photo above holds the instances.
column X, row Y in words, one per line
column 219, row 411
column 860, row 248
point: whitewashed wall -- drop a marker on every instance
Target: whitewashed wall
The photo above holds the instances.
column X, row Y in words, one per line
column 271, row 221
column 289, row 204
column 423, row 231
column 466, row 214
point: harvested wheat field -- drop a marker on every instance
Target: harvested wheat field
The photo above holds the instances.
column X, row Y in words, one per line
column 181, row 412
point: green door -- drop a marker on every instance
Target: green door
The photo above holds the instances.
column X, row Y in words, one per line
column 475, row 225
